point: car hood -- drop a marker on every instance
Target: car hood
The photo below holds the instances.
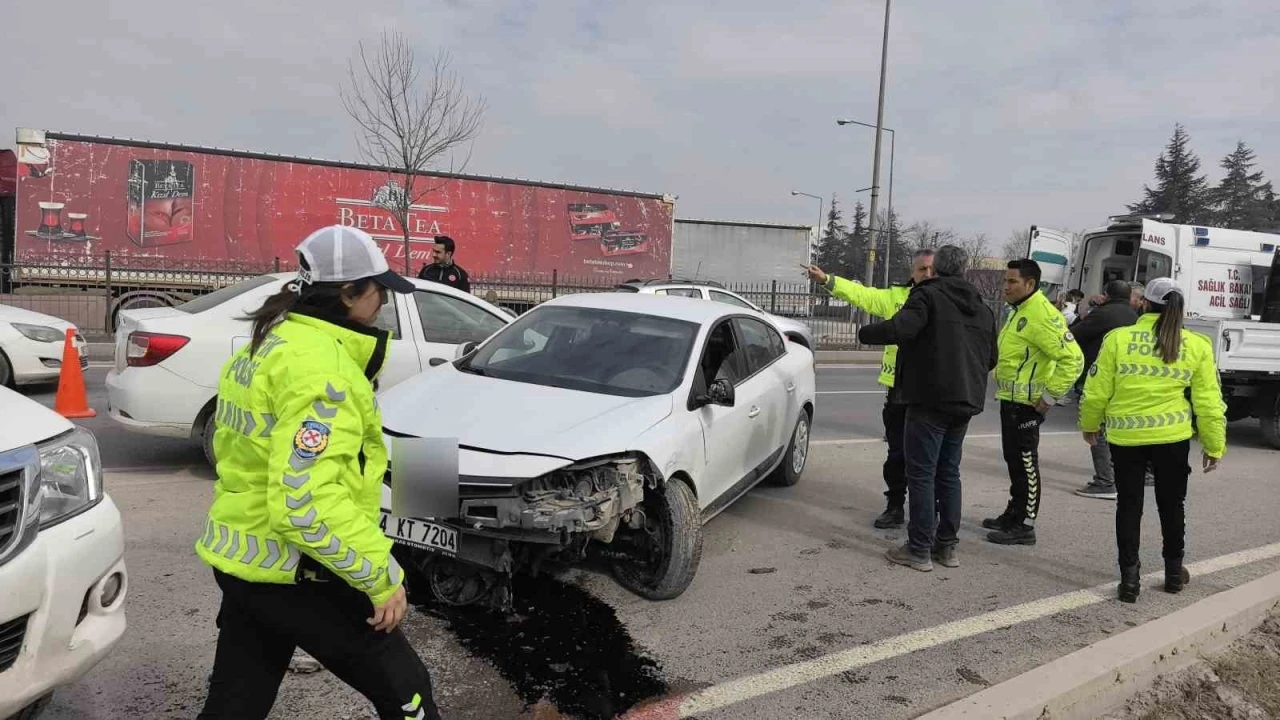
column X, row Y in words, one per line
column 11, row 314
column 27, row 422
column 489, row 416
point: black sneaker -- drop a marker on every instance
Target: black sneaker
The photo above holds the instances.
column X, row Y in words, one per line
column 1100, row 492
column 892, row 517
column 1003, row 521
column 1017, row 535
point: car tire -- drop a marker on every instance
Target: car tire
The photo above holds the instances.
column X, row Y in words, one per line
column 6, row 371
column 206, row 438
column 34, row 710
column 1269, row 418
column 797, row 456
column 671, row 511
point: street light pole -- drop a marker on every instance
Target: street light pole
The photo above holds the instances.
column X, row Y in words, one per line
column 893, row 143
column 875, row 162
column 818, row 229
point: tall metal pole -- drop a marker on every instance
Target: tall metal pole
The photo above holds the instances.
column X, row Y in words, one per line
column 888, row 237
column 819, row 198
column 875, row 163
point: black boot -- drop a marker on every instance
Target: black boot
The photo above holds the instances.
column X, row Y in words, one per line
column 892, row 517
column 1003, row 521
column 1176, row 576
column 1130, row 583
column 1018, row 534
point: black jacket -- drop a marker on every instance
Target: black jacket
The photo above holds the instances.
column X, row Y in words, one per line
column 451, row 275
column 1089, row 330
column 946, row 338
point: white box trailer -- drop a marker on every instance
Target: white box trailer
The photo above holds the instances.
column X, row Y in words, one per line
column 737, row 252
column 1224, row 276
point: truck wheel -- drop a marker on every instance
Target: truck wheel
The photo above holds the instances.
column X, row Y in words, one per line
column 34, row 710
column 206, row 439
column 1270, row 419
column 671, row 545
column 793, row 462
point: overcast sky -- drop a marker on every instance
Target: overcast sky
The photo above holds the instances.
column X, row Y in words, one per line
column 1010, row 112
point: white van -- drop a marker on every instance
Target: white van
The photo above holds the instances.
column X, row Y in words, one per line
column 1223, row 275
column 62, row 574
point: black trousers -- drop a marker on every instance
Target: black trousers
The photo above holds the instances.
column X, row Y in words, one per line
column 1020, row 438
column 1169, row 463
column 260, row 624
column 895, row 465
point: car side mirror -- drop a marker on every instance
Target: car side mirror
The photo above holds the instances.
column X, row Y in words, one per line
column 720, row 393
column 436, row 362
column 464, row 350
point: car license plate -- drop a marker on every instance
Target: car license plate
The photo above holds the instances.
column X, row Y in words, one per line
column 420, row 534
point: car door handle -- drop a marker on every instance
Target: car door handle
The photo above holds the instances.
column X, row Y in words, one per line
column 754, row 411
column 791, row 387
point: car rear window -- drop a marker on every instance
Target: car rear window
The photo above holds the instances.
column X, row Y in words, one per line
column 217, row 297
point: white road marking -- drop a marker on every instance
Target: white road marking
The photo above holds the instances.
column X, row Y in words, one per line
column 850, row 392
column 101, row 364
column 789, row 676
column 979, row 436
column 846, row 366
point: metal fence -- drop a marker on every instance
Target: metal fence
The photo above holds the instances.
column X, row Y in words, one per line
column 90, row 294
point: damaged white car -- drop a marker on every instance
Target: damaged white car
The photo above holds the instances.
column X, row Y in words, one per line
column 607, row 425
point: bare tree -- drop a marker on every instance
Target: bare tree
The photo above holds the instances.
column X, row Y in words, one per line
column 1015, row 247
column 408, row 123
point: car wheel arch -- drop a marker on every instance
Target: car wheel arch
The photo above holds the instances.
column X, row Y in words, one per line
column 197, row 425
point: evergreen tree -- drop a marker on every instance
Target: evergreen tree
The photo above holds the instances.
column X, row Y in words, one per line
column 853, row 253
column 830, row 248
column 1179, row 190
column 1243, row 200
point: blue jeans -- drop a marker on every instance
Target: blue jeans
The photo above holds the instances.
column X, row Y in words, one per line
column 932, row 443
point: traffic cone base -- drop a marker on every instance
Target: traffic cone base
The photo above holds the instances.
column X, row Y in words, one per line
column 72, row 402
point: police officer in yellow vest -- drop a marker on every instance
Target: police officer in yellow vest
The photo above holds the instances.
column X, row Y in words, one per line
column 1138, row 388
column 1039, row 362
column 885, row 303
column 293, row 536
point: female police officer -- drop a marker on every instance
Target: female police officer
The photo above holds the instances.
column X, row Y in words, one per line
column 293, row 535
column 1138, row 386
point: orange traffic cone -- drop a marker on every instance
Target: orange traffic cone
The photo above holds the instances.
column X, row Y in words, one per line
column 71, row 401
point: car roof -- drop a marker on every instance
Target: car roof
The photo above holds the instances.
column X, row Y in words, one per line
column 674, row 282
column 693, row 310
column 419, row 284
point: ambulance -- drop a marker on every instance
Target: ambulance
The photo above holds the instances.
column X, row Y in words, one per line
column 1230, row 279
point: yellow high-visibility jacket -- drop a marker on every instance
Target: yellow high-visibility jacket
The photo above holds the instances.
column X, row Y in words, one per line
column 301, row 460
column 879, row 302
column 1143, row 400
column 1039, row 359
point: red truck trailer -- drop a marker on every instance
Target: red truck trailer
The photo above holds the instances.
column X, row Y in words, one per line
column 192, row 211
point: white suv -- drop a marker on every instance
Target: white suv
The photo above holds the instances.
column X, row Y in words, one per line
column 62, row 573
column 795, row 330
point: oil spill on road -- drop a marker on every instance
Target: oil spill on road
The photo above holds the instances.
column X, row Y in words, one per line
column 564, row 646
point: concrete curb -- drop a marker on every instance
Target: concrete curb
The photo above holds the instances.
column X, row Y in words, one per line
column 105, row 351
column 1101, row 677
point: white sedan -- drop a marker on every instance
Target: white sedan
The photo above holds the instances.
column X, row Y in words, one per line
column 167, row 361
column 617, row 422
column 31, row 346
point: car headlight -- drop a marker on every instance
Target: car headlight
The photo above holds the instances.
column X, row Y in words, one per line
column 70, row 476
column 39, row 333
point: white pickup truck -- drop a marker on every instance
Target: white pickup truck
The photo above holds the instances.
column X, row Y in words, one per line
column 1230, row 278
column 62, row 574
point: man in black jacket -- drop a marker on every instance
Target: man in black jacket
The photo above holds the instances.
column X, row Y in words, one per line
column 1116, row 312
column 946, row 338
column 442, row 268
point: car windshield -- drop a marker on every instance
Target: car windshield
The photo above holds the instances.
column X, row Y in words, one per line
column 589, row 349
column 217, row 297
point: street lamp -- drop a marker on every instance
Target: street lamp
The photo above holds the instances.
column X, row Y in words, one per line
column 893, row 142
column 819, row 227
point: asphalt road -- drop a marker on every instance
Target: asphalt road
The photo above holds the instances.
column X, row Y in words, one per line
column 825, row 627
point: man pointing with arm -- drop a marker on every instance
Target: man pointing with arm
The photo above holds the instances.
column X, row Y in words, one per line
column 885, row 303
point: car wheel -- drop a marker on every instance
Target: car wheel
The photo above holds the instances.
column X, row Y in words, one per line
column 6, row 371
column 206, row 439
column 670, row 545
column 797, row 456
column 1270, row 420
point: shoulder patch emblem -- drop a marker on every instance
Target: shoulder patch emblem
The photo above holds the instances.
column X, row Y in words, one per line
column 311, row 439
column 1022, row 324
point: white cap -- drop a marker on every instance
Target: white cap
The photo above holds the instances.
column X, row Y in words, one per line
column 343, row 254
column 1157, row 291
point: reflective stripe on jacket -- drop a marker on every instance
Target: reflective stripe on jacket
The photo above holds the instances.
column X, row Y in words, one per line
column 1039, row 358
column 880, row 302
column 301, row 460
column 1143, row 400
